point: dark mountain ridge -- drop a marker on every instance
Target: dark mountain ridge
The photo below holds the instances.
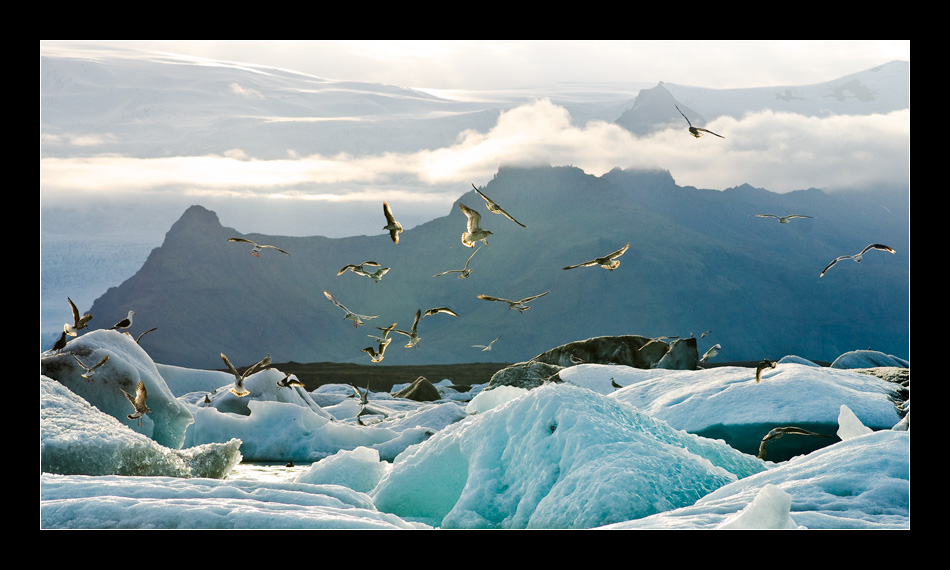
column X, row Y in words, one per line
column 699, row 260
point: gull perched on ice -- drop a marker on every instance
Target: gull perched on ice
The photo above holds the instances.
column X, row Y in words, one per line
column 710, row 353
column 465, row 271
column 495, row 208
column 392, row 225
column 781, row 219
column 608, row 262
column 90, row 370
column 764, row 364
column 858, row 256
column 696, row 131
column 413, row 333
column 473, row 230
column 239, row 390
column 486, row 347
column 124, row 323
column 779, row 432
column 138, row 402
column 256, row 251
column 79, row 322
column 350, row 315
column 520, row 305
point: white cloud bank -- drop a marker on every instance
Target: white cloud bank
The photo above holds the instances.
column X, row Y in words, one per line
column 776, row 151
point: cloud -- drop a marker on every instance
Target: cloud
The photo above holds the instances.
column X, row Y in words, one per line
column 776, row 151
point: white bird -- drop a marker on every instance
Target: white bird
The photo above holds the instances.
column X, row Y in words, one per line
column 710, row 353
column 761, row 366
column 781, row 219
column 437, row 310
column 520, row 305
column 357, row 267
column 779, row 432
column 473, row 229
column 413, row 333
column 79, row 322
column 495, row 208
column 608, row 262
column 138, row 402
column 124, row 323
column 696, row 131
column 486, row 347
column 256, row 251
column 377, row 354
column 90, row 370
column 392, row 225
column 239, row 390
column 465, row 271
column 858, row 256
column 350, row 315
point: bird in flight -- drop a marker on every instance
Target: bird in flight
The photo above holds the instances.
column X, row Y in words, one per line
column 486, row 347
column 696, row 131
column 473, row 230
column 521, row 305
column 290, row 381
column 79, row 322
column 357, row 268
column 465, row 271
column 138, row 402
column 710, row 353
column 779, row 432
column 413, row 333
column 394, row 227
column 858, row 256
column 90, row 370
column 350, row 315
column 762, row 366
column 256, row 251
column 781, row 219
column 437, row 310
column 239, row 390
column 495, row 208
column 608, row 262
column 377, row 354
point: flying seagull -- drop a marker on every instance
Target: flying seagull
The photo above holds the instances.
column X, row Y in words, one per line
column 357, row 267
column 437, row 310
column 764, row 364
column 520, row 305
column 710, row 353
column 79, row 322
column 413, row 333
column 608, row 262
column 350, row 315
column 486, row 347
column 377, row 354
column 696, row 131
column 256, row 251
column 465, row 271
column 90, row 370
column 473, row 230
column 858, row 256
column 138, row 402
column 392, row 225
column 495, row 208
column 239, row 390
column 657, row 339
column 781, row 219
column 124, row 323
column 779, row 432
column 289, row 381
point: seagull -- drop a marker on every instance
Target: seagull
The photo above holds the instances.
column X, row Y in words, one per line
column 696, row 131
column 239, row 390
column 779, row 432
column 473, row 231
column 710, row 353
column 350, row 315
column 781, row 219
column 124, row 323
column 658, row 339
column 858, row 256
column 143, row 334
column 487, row 347
column 79, row 323
column 377, row 354
column 59, row 344
column 765, row 363
column 90, row 370
column 138, row 402
column 256, row 252
column 465, row 271
column 413, row 332
column 520, row 305
column 608, row 262
column 495, row 208
column 392, row 225
column 289, row 381
column 437, row 310
column 357, row 268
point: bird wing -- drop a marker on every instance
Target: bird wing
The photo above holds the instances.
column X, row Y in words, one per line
column 141, row 395
column 242, row 240
column 438, row 310
column 585, row 264
column 277, row 248
column 143, row 334
column 830, row 265
column 619, row 252
column 335, row 302
column 710, row 132
column 474, row 218
column 387, row 211
column 766, row 216
column 879, row 246
column 230, row 366
column 449, row 271
column 75, row 310
column 490, row 298
column 533, row 297
column 684, row 115
column 494, row 207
